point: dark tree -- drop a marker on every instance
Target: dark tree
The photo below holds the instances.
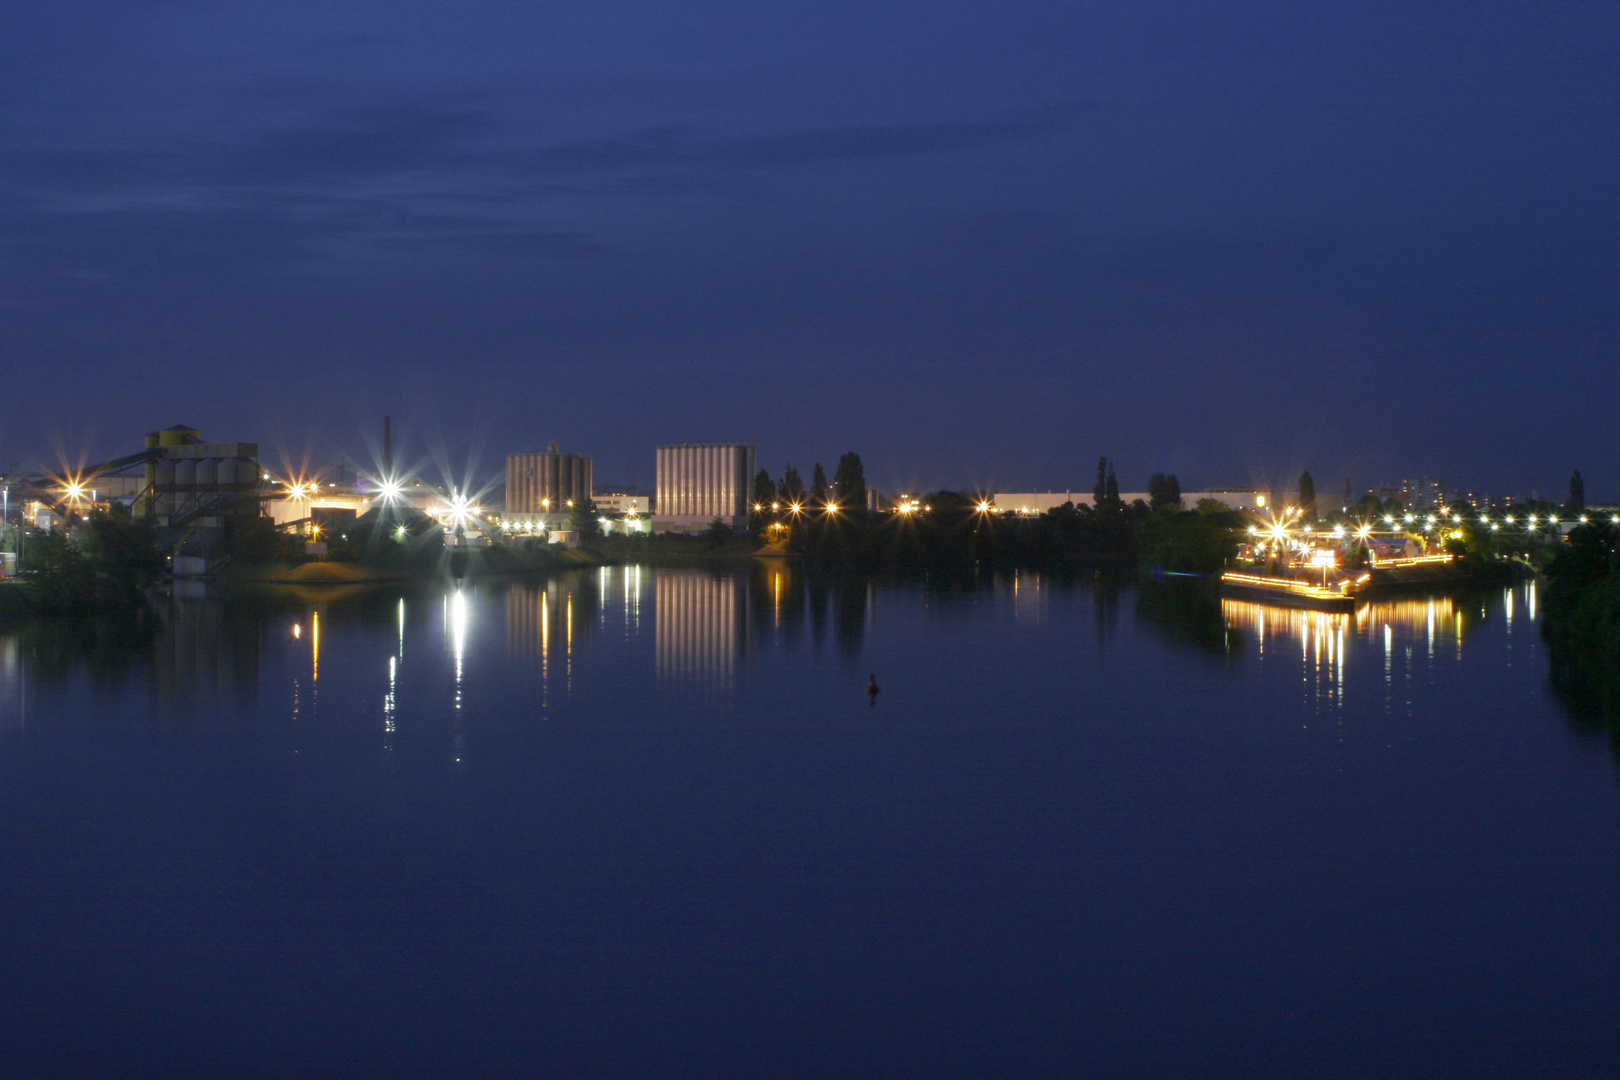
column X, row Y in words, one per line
column 764, row 491
column 791, row 489
column 1156, row 496
column 1577, row 493
column 1307, row 496
column 718, row 533
column 818, row 484
column 849, row 482
column 1111, row 488
column 583, row 519
column 1100, row 492
column 1163, row 491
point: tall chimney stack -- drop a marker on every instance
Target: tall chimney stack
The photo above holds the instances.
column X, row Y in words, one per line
column 388, row 447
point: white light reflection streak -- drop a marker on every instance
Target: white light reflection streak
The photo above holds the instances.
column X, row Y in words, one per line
column 458, row 637
column 633, row 597
column 1339, row 657
column 388, row 701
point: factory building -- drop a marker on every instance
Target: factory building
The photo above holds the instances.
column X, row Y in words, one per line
column 698, row 482
column 1039, row 502
column 541, row 488
column 189, row 481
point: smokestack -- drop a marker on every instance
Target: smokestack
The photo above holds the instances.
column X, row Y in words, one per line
column 388, row 447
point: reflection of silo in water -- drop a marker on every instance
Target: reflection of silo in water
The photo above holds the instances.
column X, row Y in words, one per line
column 204, row 660
column 702, row 625
column 552, row 620
column 11, row 681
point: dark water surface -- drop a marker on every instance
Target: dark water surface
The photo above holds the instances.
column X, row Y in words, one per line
column 639, row 822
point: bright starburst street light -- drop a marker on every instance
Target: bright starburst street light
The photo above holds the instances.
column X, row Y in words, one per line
column 460, row 510
column 390, row 489
column 984, row 507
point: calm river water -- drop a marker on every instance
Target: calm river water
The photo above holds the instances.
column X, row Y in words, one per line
column 646, row 822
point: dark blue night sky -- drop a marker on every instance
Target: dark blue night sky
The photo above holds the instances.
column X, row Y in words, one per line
column 979, row 243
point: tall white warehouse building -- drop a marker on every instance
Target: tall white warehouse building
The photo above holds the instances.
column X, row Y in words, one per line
column 698, row 482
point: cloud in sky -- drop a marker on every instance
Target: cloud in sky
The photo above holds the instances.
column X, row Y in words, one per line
column 1106, row 232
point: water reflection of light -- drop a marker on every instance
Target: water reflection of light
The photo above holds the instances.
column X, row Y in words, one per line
column 388, row 700
column 700, row 625
column 315, row 647
column 458, row 636
column 11, row 675
column 1439, row 624
column 550, row 625
column 400, row 649
column 632, row 600
column 1027, row 598
column 1324, row 638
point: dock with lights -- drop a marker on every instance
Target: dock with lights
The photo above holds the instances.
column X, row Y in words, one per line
column 1290, row 592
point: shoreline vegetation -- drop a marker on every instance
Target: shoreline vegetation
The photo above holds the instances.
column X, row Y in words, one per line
column 1581, row 624
column 108, row 561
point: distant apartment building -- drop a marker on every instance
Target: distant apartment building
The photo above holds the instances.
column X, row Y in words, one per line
column 542, row 487
column 1423, row 493
column 698, row 482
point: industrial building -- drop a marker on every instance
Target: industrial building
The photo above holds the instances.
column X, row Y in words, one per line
column 195, row 494
column 1039, row 502
column 542, row 488
column 188, row 480
column 699, row 482
column 625, row 512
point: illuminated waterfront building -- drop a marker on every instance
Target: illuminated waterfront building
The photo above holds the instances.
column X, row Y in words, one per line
column 541, row 488
column 698, row 482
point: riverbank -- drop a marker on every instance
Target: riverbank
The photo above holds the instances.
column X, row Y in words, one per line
column 17, row 601
column 1582, row 621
